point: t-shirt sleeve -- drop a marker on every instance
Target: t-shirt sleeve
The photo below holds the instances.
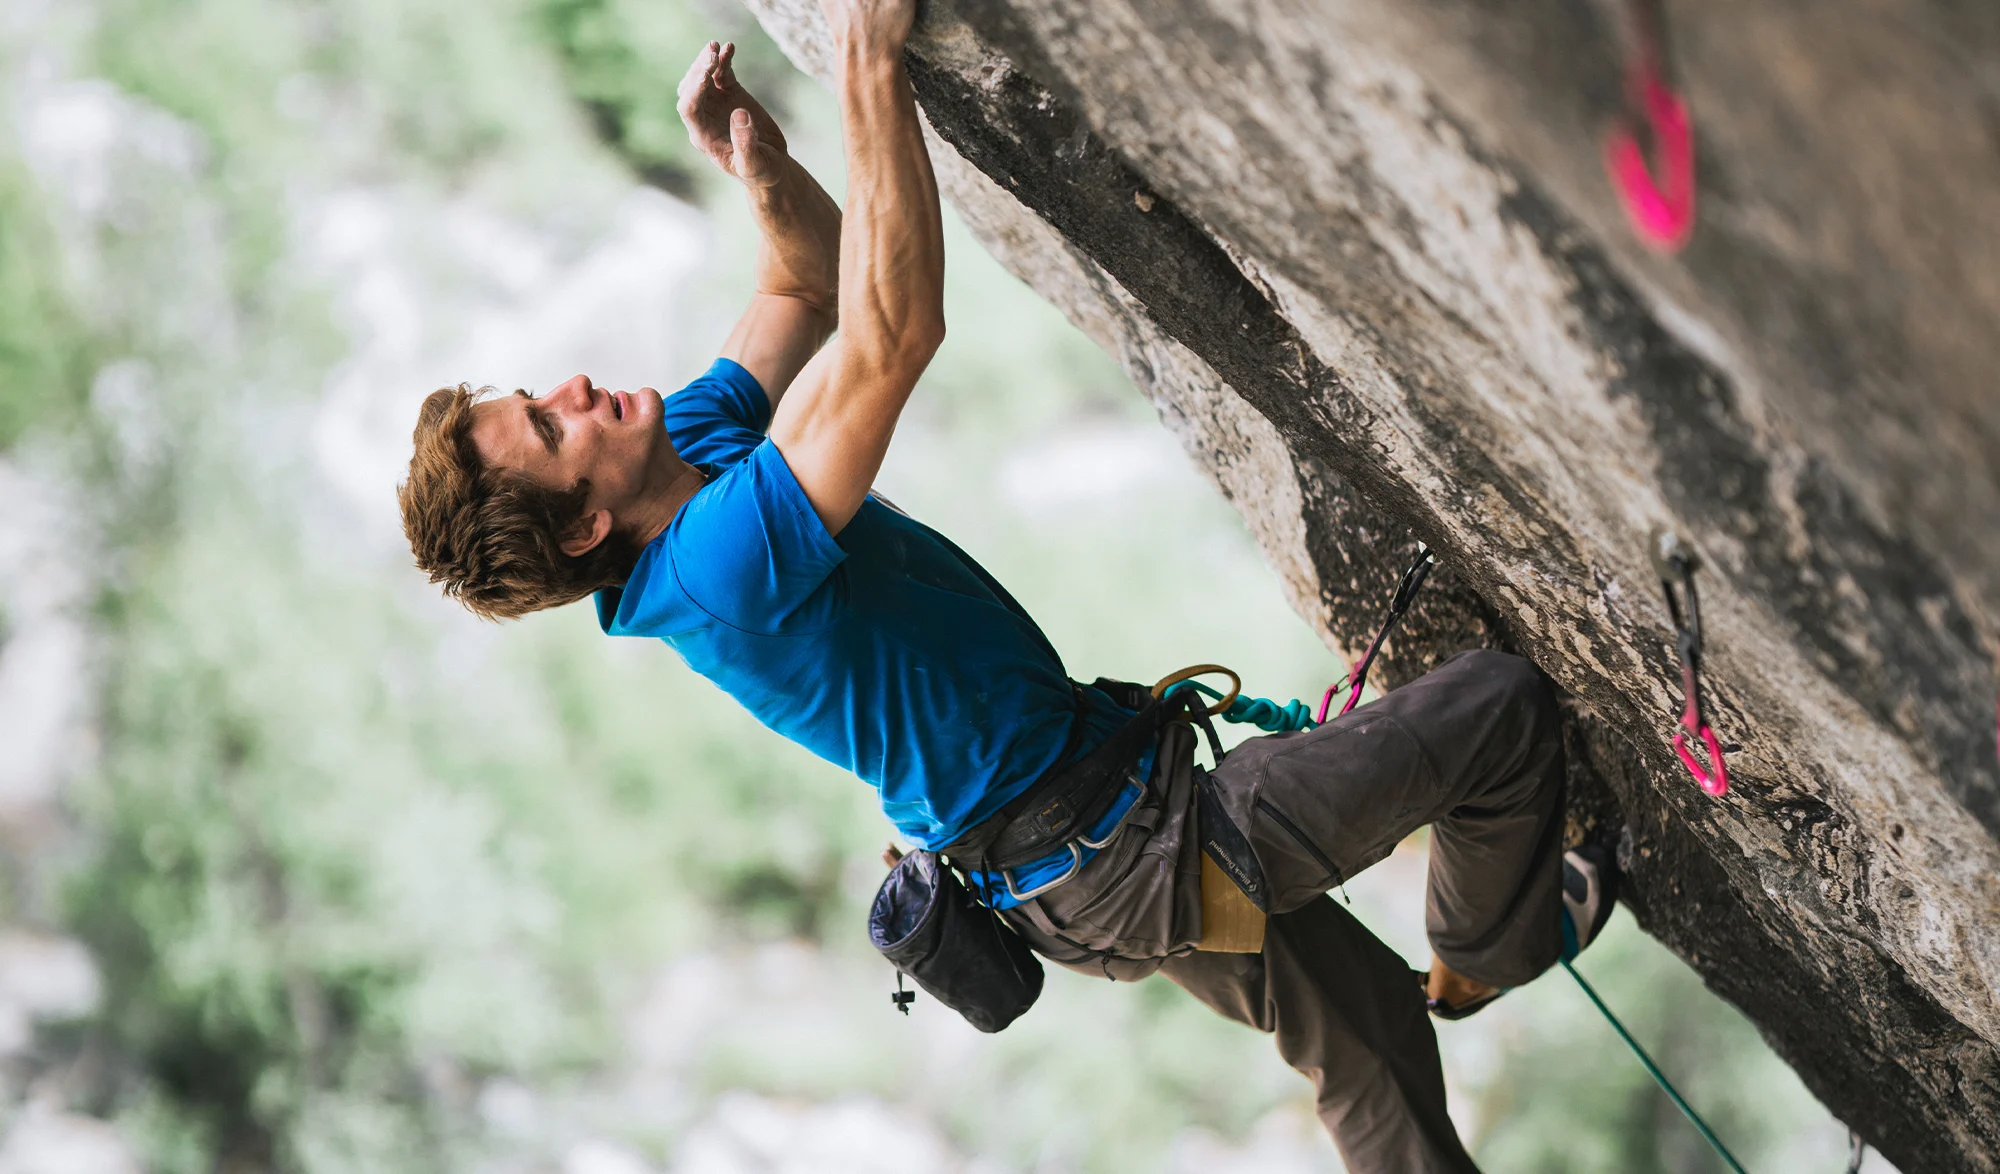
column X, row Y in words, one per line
column 749, row 550
column 718, row 418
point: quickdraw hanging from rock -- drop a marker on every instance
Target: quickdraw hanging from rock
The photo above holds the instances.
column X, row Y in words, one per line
column 1406, row 594
column 1675, row 562
column 1293, row 716
column 1658, row 196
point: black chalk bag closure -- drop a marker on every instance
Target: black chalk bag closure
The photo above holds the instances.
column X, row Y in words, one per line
column 931, row 927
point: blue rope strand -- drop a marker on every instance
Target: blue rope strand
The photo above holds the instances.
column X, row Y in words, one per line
column 1267, row 715
column 1653, row 1069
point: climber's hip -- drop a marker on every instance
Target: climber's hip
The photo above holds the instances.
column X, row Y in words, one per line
column 1474, row 747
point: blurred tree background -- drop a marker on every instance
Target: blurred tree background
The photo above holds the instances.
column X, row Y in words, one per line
column 305, row 870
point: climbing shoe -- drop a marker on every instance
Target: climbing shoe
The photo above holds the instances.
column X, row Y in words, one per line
column 1444, row 1010
column 1590, row 893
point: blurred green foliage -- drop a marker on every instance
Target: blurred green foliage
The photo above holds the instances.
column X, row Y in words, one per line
column 624, row 60
column 45, row 347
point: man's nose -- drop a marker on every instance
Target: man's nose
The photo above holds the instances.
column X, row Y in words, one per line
column 575, row 394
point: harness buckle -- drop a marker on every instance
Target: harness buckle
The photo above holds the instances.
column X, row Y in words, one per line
column 1076, row 848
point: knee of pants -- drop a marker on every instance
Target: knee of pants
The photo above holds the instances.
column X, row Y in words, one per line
column 1516, row 681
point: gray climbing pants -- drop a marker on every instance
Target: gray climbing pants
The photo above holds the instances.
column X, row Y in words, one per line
column 1472, row 749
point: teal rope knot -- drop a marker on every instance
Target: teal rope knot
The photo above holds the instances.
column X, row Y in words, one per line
column 1267, row 715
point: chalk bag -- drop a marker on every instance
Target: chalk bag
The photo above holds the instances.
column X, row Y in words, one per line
column 931, row 927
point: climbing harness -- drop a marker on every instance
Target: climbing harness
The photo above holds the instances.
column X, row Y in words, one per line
column 1653, row 1070
column 1674, row 560
column 1658, row 198
column 1406, row 594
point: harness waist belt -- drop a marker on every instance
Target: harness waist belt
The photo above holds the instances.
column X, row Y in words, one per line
column 1068, row 799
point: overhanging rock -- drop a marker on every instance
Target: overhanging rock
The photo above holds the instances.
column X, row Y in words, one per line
column 1363, row 259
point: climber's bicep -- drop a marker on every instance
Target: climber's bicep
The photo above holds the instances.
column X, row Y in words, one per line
column 834, row 426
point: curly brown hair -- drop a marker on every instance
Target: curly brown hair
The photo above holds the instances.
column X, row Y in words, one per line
column 491, row 535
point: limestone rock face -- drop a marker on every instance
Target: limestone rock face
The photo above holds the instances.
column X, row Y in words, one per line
column 1363, row 257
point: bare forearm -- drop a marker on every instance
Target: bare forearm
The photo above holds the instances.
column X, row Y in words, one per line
column 836, row 430
column 892, row 250
column 798, row 246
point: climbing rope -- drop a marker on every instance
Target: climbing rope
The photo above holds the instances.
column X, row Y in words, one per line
column 1653, row 1070
column 1267, row 715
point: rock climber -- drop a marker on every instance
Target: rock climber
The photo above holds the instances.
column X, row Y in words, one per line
column 734, row 520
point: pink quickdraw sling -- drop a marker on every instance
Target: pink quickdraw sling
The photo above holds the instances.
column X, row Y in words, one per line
column 1659, row 198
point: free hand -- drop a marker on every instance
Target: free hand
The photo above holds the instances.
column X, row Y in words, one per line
column 725, row 122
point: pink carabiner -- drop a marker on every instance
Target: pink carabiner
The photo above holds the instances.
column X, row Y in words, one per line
column 1662, row 212
column 1716, row 783
column 1326, row 701
column 1353, row 695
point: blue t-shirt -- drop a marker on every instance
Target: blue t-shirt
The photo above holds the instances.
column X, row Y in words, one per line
column 887, row 650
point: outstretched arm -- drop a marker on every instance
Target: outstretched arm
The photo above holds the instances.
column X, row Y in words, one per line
column 798, row 224
column 834, row 428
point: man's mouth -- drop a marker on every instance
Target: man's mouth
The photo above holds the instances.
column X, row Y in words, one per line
column 618, row 404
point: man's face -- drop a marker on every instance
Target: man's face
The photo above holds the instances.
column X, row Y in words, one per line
column 578, row 431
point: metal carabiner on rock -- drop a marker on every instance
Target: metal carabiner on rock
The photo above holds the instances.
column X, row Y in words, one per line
column 1406, row 594
column 1673, row 560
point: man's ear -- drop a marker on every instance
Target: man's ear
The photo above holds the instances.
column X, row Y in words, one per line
column 584, row 534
